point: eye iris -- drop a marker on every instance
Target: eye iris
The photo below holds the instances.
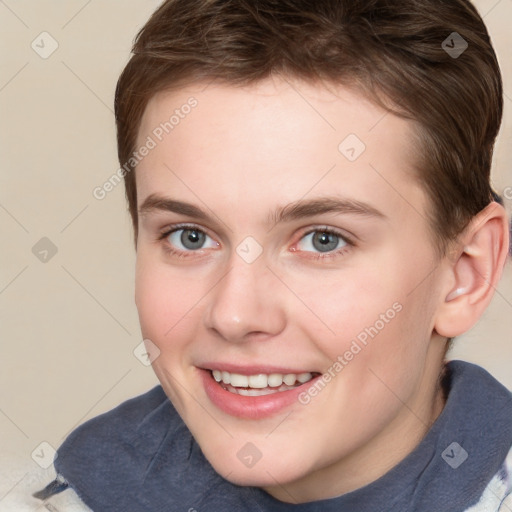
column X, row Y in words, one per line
column 327, row 241
column 192, row 238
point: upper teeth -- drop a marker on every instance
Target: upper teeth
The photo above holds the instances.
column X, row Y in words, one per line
column 261, row 380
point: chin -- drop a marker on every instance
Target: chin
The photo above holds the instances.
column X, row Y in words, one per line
column 257, row 478
column 265, row 472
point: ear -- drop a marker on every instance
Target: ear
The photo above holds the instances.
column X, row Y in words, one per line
column 473, row 271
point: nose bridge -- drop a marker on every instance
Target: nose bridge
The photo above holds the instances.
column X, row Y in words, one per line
column 243, row 302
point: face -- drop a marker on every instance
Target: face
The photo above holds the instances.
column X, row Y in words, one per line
column 287, row 279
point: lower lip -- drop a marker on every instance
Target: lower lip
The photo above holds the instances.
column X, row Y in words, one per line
column 249, row 407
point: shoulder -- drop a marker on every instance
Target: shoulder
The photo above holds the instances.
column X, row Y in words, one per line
column 128, row 415
column 138, row 423
column 112, row 449
column 497, row 496
column 127, row 433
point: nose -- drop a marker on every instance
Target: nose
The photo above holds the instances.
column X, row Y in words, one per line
column 246, row 303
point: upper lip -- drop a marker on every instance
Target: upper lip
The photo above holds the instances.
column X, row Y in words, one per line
column 253, row 369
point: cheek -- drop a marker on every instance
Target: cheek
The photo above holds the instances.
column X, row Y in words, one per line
column 345, row 304
column 163, row 297
column 370, row 315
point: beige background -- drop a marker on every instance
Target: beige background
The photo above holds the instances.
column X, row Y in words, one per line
column 69, row 326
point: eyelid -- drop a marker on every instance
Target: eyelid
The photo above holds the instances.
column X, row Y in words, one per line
column 165, row 232
column 348, row 238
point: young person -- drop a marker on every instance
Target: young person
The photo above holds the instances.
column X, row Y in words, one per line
column 314, row 224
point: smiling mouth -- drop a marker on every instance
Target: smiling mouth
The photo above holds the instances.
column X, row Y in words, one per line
column 260, row 384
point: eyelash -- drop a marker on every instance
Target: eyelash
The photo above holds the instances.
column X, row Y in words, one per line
column 314, row 256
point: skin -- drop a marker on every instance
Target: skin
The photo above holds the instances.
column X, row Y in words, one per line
column 239, row 155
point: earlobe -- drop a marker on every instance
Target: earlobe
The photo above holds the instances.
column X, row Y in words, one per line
column 475, row 273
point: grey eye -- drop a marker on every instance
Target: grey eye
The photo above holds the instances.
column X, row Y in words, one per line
column 321, row 241
column 190, row 239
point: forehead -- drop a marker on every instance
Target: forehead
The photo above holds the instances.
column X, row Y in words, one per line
column 276, row 141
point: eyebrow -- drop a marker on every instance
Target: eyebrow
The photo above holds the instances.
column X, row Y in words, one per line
column 294, row 211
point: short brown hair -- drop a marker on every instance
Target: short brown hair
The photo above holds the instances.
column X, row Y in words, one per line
column 397, row 53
